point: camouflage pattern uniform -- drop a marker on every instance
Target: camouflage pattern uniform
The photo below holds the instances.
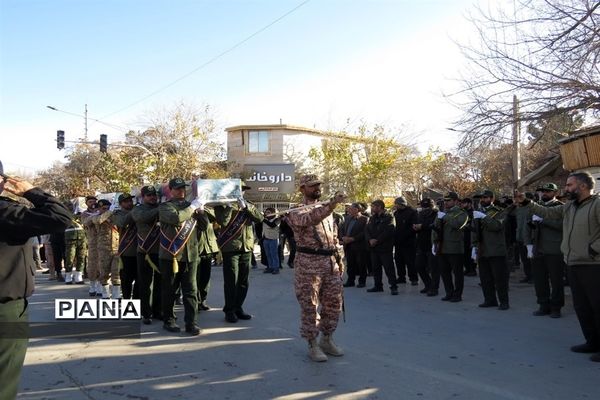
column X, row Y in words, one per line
column 93, row 265
column 318, row 278
column 108, row 245
column 76, row 248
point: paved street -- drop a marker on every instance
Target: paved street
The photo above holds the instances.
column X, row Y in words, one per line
column 397, row 347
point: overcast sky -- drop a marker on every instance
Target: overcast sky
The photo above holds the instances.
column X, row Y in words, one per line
column 316, row 63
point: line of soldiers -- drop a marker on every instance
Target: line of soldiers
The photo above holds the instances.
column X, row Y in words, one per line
column 447, row 242
column 156, row 251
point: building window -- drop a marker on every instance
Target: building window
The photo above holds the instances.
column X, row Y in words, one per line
column 258, row 141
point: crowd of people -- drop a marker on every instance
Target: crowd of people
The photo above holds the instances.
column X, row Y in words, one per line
column 162, row 253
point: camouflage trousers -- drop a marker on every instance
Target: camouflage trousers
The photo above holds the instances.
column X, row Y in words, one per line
column 320, row 298
column 109, row 268
column 93, row 263
column 75, row 255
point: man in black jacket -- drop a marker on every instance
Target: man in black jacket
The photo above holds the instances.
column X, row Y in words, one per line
column 352, row 234
column 427, row 265
column 18, row 224
column 379, row 234
column 405, row 241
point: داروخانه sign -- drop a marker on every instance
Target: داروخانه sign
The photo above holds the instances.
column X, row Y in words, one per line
column 277, row 178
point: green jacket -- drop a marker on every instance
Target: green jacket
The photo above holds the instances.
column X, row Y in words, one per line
column 172, row 215
column 122, row 219
column 244, row 240
column 145, row 215
column 449, row 232
column 75, row 232
column 581, row 229
column 546, row 236
column 207, row 240
column 488, row 234
column 523, row 227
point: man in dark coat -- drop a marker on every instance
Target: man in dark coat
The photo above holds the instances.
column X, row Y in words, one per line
column 18, row 223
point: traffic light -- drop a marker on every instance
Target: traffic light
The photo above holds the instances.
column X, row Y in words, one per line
column 60, row 140
column 103, row 143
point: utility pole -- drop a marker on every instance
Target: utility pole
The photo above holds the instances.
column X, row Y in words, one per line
column 85, row 135
column 516, row 153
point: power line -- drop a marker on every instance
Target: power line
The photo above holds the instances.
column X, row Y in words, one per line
column 215, row 58
column 113, row 126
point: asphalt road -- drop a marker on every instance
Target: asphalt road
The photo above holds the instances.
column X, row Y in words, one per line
column 397, row 347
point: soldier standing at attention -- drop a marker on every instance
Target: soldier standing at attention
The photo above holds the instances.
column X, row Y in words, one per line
column 548, row 265
column 145, row 216
column 91, row 233
column 123, row 220
column 207, row 249
column 236, row 241
column 448, row 236
column 178, row 256
column 75, row 249
column 489, row 247
column 318, row 270
column 17, row 225
column 108, row 245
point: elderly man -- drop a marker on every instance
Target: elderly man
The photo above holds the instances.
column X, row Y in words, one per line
column 318, row 269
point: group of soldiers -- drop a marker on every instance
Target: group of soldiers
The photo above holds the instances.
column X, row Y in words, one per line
column 168, row 248
column 161, row 253
column 451, row 239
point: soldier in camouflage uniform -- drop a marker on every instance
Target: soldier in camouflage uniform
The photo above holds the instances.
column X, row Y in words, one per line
column 76, row 247
column 91, row 234
column 318, row 274
column 108, row 245
column 123, row 220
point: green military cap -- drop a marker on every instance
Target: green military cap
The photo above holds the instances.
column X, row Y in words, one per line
column 549, row 187
column 177, row 183
column 148, row 190
column 124, row 196
column 487, row 193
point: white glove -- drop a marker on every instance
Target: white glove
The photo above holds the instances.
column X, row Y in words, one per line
column 197, row 204
column 441, row 214
column 474, row 254
column 478, row 215
column 114, row 206
column 242, row 203
column 529, row 251
column 536, row 218
column 433, row 250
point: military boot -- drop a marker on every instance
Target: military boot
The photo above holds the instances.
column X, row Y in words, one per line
column 105, row 292
column 328, row 346
column 116, row 292
column 92, row 290
column 314, row 351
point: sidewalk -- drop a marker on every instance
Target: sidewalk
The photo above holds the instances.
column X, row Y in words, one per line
column 397, row 347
